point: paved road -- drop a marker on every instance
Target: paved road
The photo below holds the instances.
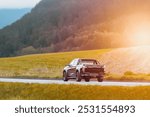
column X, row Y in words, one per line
column 105, row 83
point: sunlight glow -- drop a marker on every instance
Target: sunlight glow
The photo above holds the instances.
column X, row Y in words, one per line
column 141, row 34
column 138, row 29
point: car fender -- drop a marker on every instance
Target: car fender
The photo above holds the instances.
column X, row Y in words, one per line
column 65, row 69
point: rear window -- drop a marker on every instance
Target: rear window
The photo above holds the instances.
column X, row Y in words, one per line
column 89, row 62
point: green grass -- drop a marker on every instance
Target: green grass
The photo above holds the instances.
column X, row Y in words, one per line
column 42, row 65
column 17, row 91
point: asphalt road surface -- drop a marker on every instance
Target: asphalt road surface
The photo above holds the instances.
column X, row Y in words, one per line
column 105, row 83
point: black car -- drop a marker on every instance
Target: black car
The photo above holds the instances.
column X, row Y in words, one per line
column 84, row 69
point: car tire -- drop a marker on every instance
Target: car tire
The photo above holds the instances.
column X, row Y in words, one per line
column 87, row 79
column 78, row 77
column 65, row 76
column 100, row 79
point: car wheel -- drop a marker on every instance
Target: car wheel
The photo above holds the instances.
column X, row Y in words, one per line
column 65, row 76
column 100, row 79
column 78, row 77
column 87, row 79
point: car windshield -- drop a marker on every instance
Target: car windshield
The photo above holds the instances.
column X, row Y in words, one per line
column 89, row 62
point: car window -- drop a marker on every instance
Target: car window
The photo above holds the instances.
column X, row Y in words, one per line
column 72, row 63
column 75, row 62
column 89, row 62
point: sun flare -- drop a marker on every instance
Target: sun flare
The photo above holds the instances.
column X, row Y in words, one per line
column 138, row 29
column 141, row 35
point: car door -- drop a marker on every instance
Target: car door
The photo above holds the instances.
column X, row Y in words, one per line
column 72, row 68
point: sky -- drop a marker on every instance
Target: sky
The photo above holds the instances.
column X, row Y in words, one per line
column 18, row 3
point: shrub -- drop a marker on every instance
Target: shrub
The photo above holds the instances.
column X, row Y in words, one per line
column 129, row 73
column 28, row 50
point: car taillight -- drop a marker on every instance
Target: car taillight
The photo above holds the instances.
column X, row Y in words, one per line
column 83, row 68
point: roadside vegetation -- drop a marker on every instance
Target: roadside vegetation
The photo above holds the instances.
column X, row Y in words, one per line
column 129, row 76
column 18, row 91
column 42, row 65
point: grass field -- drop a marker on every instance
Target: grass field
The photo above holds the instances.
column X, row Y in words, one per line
column 51, row 66
column 17, row 91
column 42, row 65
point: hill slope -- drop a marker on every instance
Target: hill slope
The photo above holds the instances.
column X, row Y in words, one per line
column 117, row 61
column 65, row 25
column 8, row 16
column 134, row 59
column 42, row 65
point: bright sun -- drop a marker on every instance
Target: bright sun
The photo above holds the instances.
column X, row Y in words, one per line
column 141, row 34
column 138, row 29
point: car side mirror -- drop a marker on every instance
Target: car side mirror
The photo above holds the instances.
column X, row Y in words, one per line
column 68, row 65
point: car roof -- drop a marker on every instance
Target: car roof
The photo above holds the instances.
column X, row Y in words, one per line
column 88, row 59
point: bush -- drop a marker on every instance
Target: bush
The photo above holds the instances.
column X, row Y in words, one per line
column 28, row 50
column 129, row 73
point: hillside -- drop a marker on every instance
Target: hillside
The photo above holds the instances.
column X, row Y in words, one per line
column 128, row 64
column 42, row 65
column 66, row 25
column 134, row 59
column 9, row 16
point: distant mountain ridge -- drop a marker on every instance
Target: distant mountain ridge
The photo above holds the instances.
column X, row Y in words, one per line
column 67, row 25
column 9, row 16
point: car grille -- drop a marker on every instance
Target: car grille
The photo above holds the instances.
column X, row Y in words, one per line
column 94, row 70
